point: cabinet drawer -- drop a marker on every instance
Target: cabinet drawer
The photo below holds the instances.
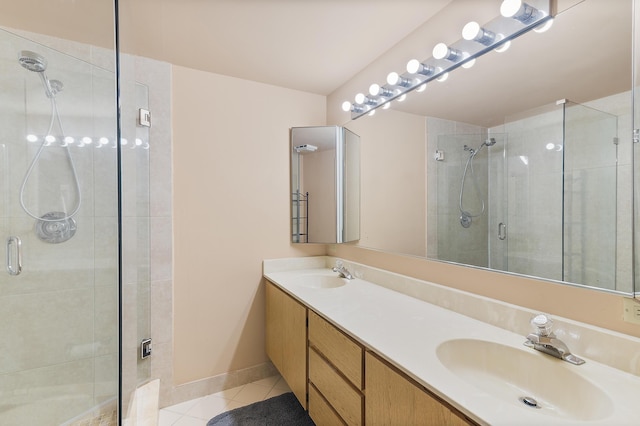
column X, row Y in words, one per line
column 335, row 346
column 346, row 400
column 320, row 411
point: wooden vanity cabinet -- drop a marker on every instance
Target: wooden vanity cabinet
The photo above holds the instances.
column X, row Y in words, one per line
column 286, row 339
column 335, row 375
column 344, row 383
column 393, row 399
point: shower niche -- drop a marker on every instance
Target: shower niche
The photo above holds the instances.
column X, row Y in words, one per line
column 325, row 185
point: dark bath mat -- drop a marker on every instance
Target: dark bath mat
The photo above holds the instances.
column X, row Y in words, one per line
column 282, row 410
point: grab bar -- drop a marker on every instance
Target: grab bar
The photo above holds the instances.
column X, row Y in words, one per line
column 11, row 242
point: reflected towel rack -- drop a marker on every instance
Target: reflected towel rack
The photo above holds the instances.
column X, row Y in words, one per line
column 300, row 217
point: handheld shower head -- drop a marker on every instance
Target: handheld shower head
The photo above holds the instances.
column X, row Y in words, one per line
column 37, row 63
column 32, row 61
column 490, row 142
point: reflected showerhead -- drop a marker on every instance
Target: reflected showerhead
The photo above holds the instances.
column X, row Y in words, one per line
column 32, row 61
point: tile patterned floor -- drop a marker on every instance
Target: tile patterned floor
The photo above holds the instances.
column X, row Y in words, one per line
column 199, row 411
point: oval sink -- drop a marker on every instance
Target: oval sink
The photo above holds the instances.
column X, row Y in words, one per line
column 514, row 375
column 320, row 281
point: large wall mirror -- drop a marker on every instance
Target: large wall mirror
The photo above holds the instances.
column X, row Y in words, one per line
column 521, row 164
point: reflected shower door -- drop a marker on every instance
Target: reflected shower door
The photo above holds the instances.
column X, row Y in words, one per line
column 59, row 314
column 590, row 196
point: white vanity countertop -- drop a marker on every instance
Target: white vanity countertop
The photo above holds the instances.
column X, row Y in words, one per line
column 407, row 332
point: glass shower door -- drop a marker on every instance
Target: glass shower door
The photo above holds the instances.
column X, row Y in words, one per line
column 59, row 311
column 590, row 196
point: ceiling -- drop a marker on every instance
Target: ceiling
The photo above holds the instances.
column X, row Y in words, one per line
column 319, row 45
column 309, row 45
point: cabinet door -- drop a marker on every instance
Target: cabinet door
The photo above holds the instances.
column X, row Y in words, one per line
column 286, row 339
column 391, row 399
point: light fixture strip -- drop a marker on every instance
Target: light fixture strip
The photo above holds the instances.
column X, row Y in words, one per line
column 508, row 28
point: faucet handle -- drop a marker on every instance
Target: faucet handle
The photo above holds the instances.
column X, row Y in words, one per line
column 542, row 324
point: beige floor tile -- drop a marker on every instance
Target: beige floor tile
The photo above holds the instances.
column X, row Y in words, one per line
column 183, row 407
column 168, row 418
column 251, row 393
column 228, row 393
column 281, row 384
column 275, row 392
column 209, row 407
column 190, row 421
column 268, row 382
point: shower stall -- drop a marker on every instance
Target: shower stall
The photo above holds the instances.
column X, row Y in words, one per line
column 74, row 295
column 529, row 196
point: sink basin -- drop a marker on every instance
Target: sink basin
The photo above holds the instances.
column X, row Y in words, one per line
column 320, row 281
column 513, row 374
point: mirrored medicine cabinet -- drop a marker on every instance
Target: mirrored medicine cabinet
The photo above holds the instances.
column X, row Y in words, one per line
column 325, row 185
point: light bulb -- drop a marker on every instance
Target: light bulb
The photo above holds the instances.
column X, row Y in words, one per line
column 372, row 112
column 68, row 140
column 103, row 141
column 421, row 88
column 505, row 46
column 443, row 77
column 393, row 78
column 32, row 138
column 442, row 51
column 87, row 140
column 360, row 98
column 473, row 31
column 519, row 10
column 414, row 66
column 123, row 141
column 50, row 138
column 469, row 64
column 402, row 97
column 509, row 8
column 374, row 89
column 138, row 141
column 386, row 105
column 346, row 106
column 543, row 28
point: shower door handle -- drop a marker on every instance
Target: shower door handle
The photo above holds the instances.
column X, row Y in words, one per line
column 502, row 231
column 14, row 252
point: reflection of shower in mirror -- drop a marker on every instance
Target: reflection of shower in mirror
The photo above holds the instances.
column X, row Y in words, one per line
column 466, row 217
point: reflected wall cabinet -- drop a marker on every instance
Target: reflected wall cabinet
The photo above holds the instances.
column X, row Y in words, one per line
column 325, row 185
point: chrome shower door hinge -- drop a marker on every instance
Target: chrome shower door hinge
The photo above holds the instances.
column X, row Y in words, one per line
column 144, row 117
column 636, row 135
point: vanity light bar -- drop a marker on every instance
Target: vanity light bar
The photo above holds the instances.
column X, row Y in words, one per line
column 517, row 18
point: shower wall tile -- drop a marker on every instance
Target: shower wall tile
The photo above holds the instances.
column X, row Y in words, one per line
column 47, row 395
column 162, row 311
column 135, row 249
column 157, row 75
column 106, row 378
column 106, row 319
column 624, row 256
column 61, row 321
column 161, row 249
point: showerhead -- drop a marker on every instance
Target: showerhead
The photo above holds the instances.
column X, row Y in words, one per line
column 37, row 63
column 300, row 149
column 490, row 142
column 32, row 61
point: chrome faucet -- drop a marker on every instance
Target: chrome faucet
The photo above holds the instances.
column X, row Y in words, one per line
column 544, row 340
column 342, row 271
